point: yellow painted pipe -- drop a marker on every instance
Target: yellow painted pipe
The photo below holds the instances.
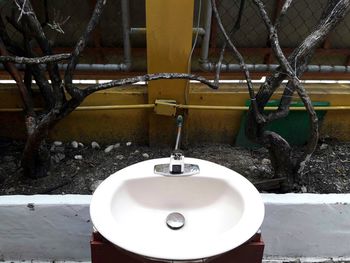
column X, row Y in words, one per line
column 180, row 106
column 116, row 107
column 205, row 107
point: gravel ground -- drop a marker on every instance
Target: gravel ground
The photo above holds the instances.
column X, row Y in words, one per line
column 78, row 168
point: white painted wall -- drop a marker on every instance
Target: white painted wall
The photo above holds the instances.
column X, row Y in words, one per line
column 295, row 225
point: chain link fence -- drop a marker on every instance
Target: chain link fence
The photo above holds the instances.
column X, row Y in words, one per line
column 301, row 19
column 67, row 20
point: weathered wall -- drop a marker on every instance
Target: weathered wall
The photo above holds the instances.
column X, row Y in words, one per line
column 59, row 228
column 202, row 125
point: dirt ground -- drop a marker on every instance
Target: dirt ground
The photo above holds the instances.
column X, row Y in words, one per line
column 78, row 169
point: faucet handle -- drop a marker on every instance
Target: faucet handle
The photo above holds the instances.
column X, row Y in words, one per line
column 177, row 163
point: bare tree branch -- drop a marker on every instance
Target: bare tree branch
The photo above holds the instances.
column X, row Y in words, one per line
column 10, row 67
column 283, row 12
column 258, row 115
column 36, row 30
column 79, row 47
column 236, row 27
column 312, row 143
column 301, row 56
column 148, row 77
column 22, row 9
column 36, row 60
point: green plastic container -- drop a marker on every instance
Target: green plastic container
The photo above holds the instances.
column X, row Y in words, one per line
column 295, row 128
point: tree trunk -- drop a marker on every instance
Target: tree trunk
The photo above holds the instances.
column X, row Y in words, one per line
column 36, row 157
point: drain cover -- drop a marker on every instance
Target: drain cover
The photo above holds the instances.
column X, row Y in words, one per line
column 175, row 221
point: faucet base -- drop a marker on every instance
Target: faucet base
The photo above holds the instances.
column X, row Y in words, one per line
column 164, row 169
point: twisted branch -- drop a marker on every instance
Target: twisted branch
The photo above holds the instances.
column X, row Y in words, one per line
column 258, row 115
column 35, row 60
column 79, row 47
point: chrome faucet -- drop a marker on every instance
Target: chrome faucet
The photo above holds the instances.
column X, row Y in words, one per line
column 177, row 159
column 177, row 165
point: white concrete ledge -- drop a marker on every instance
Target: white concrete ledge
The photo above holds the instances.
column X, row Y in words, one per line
column 279, row 260
column 52, row 227
column 307, row 225
column 45, row 227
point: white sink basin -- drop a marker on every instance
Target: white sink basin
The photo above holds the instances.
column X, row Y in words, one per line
column 222, row 210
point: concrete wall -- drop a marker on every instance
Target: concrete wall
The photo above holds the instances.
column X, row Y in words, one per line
column 58, row 227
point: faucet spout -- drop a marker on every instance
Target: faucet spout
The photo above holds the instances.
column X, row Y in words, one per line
column 177, row 166
column 179, row 122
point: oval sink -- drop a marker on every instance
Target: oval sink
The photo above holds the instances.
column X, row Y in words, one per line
column 221, row 210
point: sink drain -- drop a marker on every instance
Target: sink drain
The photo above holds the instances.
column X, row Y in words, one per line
column 175, row 221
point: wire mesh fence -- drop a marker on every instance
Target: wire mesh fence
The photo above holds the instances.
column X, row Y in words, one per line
column 65, row 20
column 301, row 19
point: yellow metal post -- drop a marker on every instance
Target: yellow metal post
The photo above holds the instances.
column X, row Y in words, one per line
column 169, row 40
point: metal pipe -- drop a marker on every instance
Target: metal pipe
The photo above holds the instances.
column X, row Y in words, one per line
column 179, row 122
column 181, row 106
column 142, row 30
column 98, row 67
column 85, row 67
column 92, row 108
column 211, row 107
column 208, row 66
column 126, row 34
column 206, row 39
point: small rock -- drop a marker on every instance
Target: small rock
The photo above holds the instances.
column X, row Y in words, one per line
column 59, row 149
column 145, row 155
column 80, row 144
column 31, row 206
column 58, row 157
column 74, row 144
column 303, row 189
column 61, row 156
column 117, row 145
column 252, row 168
column 120, row 157
column 95, row 145
column 109, row 148
column 323, row 146
column 135, row 152
column 264, row 169
column 78, row 157
column 95, row 184
column 128, row 143
column 52, row 149
column 57, row 143
column 265, row 161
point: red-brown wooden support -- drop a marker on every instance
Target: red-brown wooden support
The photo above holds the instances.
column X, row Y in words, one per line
column 102, row 251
